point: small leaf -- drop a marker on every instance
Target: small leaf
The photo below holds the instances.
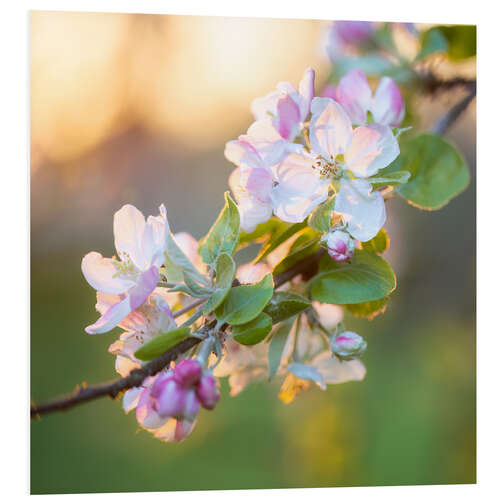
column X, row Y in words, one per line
column 306, row 244
column 379, row 244
column 321, row 217
column 225, row 269
column 278, row 342
column 368, row 310
column 438, row 171
column 284, row 305
column 278, row 239
column 461, row 41
column 368, row 277
column 431, row 41
column 195, row 289
column 254, row 331
column 266, row 229
column 244, row 303
column 177, row 262
column 224, row 235
column 161, row 343
column 391, row 179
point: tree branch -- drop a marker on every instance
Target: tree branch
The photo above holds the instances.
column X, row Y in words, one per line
column 136, row 377
column 447, row 120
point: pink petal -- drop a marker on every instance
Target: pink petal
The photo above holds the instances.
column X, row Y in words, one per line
column 388, row 107
column 288, row 118
column 101, row 272
column 263, row 107
column 306, row 90
column 372, row 147
column 258, row 182
column 354, row 95
column 111, row 318
column 330, row 128
column 145, row 285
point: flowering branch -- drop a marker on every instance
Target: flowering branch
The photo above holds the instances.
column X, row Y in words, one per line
column 114, row 388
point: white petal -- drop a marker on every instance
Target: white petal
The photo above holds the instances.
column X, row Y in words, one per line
column 253, row 213
column 306, row 91
column 128, row 228
column 372, row 147
column 363, row 210
column 100, row 272
column 265, row 139
column 330, row 128
column 330, row 315
column 262, row 106
column 338, row 372
column 111, row 318
column 241, row 152
column 131, row 398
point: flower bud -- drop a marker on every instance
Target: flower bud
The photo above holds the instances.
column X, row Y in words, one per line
column 187, row 372
column 207, row 391
column 340, row 245
column 169, row 397
column 191, row 406
column 347, row 345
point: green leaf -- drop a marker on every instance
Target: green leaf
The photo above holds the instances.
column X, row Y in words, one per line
column 278, row 342
column 284, row 305
column 306, row 244
column 196, row 290
column 278, row 239
column 461, row 41
column 368, row 310
column 224, row 235
column 431, row 41
column 368, row 277
column 177, row 263
column 161, row 343
column 391, row 179
column 438, row 171
column 254, row 331
column 372, row 65
column 244, row 303
column 321, row 217
column 266, row 229
column 379, row 244
column 225, row 269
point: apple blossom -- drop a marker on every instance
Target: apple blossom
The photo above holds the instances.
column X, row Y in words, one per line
column 140, row 245
column 355, row 95
column 287, row 108
column 346, row 36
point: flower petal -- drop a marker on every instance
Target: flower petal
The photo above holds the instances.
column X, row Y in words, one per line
column 330, row 130
column 388, row 107
column 338, row 372
column 306, row 91
column 354, row 95
column 372, row 147
column 363, row 210
column 112, row 317
column 288, row 119
column 131, row 398
column 258, row 182
column 264, row 106
column 253, row 212
column 101, row 272
column 128, row 228
column 145, row 285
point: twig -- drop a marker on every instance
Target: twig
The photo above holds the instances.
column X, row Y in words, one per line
column 114, row 388
column 188, row 308
column 446, row 121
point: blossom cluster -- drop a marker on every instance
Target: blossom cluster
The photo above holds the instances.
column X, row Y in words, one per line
column 301, row 149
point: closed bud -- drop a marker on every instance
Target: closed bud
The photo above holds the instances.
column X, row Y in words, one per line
column 347, row 345
column 191, row 406
column 169, row 398
column 207, row 391
column 187, row 372
column 340, row 245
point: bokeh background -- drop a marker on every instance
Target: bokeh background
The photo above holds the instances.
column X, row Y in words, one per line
column 137, row 109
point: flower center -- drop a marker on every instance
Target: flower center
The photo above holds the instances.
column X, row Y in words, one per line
column 328, row 168
column 125, row 268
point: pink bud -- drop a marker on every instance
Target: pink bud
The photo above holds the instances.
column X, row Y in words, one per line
column 170, row 398
column 354, row 31
column 187, row 373
column 207, row 391
column 348, row 345
column 340, row 245
column 191, row 406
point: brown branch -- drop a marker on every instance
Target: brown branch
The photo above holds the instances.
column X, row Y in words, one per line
column 447, row 120
column 114, row 388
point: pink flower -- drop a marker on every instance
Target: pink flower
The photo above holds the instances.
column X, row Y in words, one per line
column 140, row 245
column 187, row 372
column 340, row 245
column 287, row 107
column 355, row 96
column 344, row 37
